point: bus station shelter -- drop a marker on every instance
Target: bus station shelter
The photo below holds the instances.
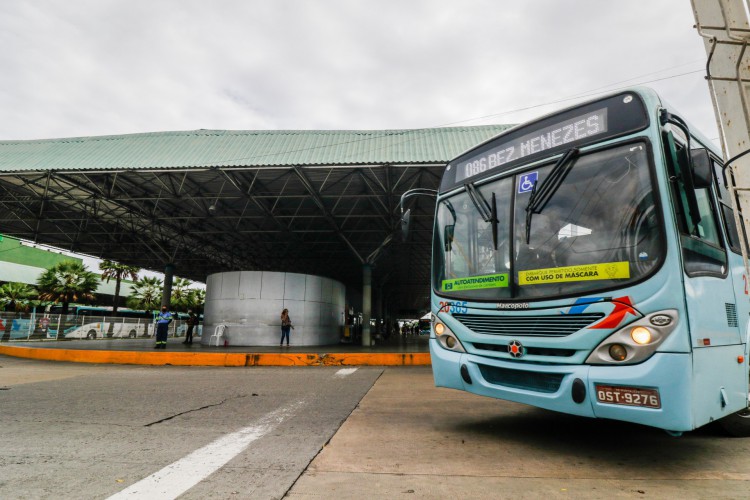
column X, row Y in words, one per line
column 193, row 203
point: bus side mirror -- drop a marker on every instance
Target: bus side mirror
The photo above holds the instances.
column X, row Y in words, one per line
column 448, row 237
column 405, row 219
column 701, row 164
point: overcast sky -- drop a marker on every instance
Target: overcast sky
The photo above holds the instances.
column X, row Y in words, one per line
column 100, row 67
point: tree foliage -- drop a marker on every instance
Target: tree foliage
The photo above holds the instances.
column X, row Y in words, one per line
column 184, row 298
column 118, row 272
column 146, row 294
column 16, row 296
column 197, row 299
column 180, row 294
column 67, row 282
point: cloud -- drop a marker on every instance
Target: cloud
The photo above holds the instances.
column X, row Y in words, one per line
column 95, row 67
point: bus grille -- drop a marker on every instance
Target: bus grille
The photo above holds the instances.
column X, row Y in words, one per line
column 520, row 379
column 559, row 325
column 530, row 351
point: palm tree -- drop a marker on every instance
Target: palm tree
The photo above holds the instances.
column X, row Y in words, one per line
column 118, row 272
column 180, row 294
column 16, row 296
column 67, row 282
column 146, row 294
column 197, row 299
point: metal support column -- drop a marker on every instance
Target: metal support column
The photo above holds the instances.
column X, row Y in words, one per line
column 166, row 295
column 377, row 298
column 366, row 304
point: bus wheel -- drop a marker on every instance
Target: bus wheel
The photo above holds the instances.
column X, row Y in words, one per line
column 91, row 334
column 132, row 334
column 737, row 424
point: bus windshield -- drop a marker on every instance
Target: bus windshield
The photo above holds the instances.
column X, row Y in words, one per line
column 596, row 227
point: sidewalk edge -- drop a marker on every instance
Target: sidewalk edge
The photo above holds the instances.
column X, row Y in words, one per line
column 217, row 358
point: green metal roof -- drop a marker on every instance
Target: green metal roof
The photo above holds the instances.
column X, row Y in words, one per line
column 254, row 148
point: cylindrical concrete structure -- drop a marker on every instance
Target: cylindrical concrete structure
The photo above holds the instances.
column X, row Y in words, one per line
column 249, row 303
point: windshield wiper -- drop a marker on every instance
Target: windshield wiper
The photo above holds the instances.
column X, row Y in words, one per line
column 487, row 211
column 541, row 194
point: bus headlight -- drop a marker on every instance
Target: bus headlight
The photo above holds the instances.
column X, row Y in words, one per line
column 445, row 337
column 641, row 335
column 635, row 342
column 618, row 352
column 439, row 328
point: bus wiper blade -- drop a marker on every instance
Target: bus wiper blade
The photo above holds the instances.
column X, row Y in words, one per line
column 530, row 213
column 542, row 193
column 487, row 211
column 494, row 220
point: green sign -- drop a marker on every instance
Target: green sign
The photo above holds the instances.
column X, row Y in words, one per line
column 476, row 282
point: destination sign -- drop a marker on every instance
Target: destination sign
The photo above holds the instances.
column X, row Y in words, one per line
column 559, row 134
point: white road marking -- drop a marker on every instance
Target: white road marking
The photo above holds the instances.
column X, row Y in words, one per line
column 344, row 372
column 178, row 477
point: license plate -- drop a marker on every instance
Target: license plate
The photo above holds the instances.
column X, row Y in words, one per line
column 629, row 396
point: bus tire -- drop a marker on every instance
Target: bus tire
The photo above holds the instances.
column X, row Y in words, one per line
column 737, row 424
column 91, row 334
column 132, row 334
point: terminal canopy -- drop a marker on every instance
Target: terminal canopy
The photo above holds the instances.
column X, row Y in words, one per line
column 314, row 202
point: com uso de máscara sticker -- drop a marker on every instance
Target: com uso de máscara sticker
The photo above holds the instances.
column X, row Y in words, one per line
column 476, row 282
column 590, row 272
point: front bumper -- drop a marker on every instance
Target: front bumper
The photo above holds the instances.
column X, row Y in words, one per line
column 551, row 386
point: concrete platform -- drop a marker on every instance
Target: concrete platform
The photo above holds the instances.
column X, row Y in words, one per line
column 408, row 351
column 408, row 439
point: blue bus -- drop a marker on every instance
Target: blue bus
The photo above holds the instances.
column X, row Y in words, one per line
column 590, row 262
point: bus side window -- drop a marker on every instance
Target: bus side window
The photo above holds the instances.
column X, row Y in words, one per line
column 725, row 204
column 702, row 245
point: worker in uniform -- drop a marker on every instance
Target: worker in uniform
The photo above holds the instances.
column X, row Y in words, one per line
column 191, row 322
column 162, row 327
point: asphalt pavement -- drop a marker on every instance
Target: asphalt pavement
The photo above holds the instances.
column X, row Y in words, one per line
column 79, row 431
column 73, row 431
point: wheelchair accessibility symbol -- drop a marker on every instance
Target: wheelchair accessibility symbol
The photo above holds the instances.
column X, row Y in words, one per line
column 526, row 182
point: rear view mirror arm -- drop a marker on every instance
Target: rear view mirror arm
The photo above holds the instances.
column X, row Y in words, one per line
column 405, row 216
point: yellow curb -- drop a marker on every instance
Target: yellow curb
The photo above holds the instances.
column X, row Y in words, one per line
column 217, row 358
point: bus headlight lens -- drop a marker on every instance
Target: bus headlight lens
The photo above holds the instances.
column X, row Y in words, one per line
column 446, row 338
column 618, row 352
column 641, row 335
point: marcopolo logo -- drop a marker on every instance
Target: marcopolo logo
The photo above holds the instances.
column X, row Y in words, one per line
column 513, row 305
column 476, row 282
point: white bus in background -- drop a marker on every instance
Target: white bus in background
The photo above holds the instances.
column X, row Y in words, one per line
column 98, row 322
column 111, row 327
column 92, row 322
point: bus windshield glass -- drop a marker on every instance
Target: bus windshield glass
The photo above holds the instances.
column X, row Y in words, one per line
column 597, row 229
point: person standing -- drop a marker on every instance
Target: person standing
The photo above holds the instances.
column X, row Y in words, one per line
column 286, row 325
column 191, row 322
column 162, row 327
